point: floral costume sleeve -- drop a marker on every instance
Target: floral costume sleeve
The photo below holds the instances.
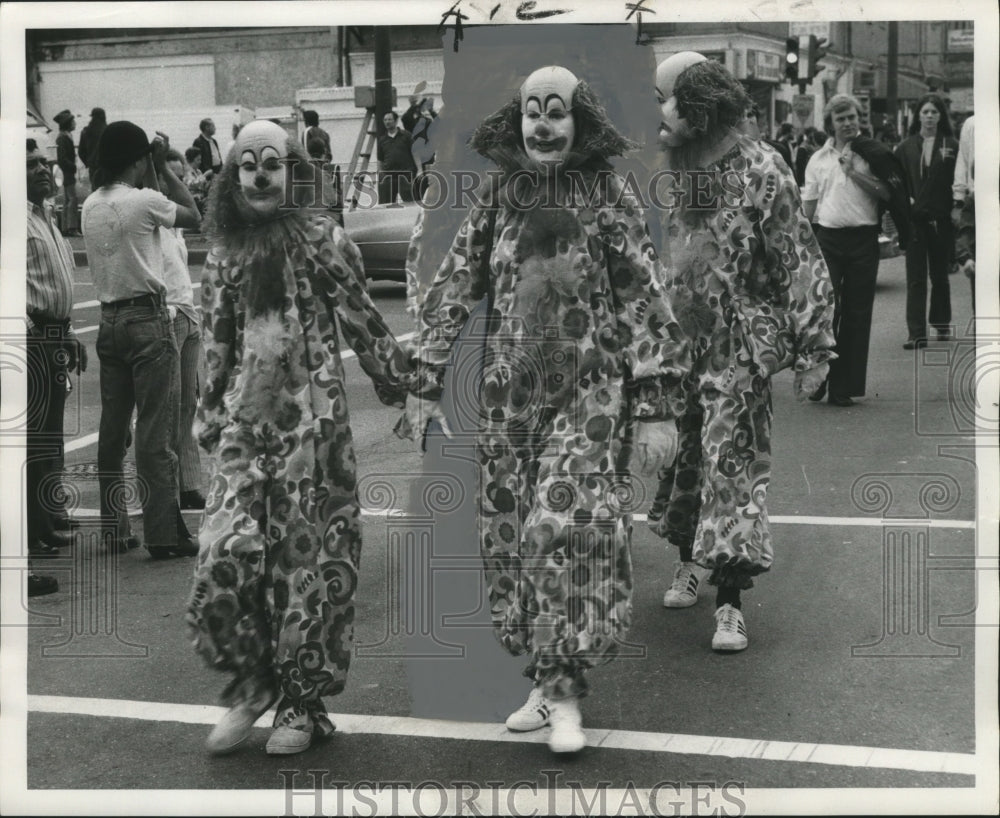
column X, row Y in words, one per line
column 341, row 279
column 218, row 335
column 657, row 353
column 412, row 268
column 793, row 278
column 459, row 284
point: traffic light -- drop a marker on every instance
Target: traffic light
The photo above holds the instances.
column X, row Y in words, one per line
column 865, row 101
column 818, row 48
column 792, row 59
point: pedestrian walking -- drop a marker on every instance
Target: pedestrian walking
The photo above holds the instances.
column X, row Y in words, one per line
column 847, row 183
column 211, row 156
column 582, row 369
column 750, row 287
column 135, row 342
column 928, row 155
column 90, row 138
column 66, row 159
column 187, row 336
column 963, row 212
column 53, row 352
column 273, row 596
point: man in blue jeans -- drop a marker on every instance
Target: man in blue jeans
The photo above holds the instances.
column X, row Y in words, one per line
column 135, row 341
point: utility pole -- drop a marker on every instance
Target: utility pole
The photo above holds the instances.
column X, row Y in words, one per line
column 892, row 77
column 383, row 75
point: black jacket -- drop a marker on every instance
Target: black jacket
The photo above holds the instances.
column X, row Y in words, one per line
column 203, row 144
column 888, row 169
column 931, row 192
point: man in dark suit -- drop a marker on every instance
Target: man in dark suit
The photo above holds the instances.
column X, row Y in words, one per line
column 211, row 156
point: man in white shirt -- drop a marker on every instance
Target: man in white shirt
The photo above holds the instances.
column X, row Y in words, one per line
column 964, row 185
column 135, row 341
column 841, row 198
column 963, row 212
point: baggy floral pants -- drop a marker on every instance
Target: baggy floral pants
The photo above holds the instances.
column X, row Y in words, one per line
column 713, row 496
column 555, row 527
column 280, row 553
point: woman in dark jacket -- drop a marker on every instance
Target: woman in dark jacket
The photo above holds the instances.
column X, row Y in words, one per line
column 928, row 157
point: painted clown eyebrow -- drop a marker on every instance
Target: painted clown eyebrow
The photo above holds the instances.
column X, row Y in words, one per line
column 544, row 107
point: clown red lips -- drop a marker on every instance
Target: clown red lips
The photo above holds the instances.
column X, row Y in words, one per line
column 547, row 125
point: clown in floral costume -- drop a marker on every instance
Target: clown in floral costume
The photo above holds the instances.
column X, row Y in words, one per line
column 272, row 601
column 582, row 368
column 750, row 286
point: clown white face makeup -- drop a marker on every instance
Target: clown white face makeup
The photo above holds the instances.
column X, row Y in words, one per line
column 547, row 125
column 674, row 129
column 260, row 148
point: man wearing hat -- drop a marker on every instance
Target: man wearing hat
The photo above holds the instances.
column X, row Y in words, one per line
column 66, row 159
column 135, row 342
column 90, row 138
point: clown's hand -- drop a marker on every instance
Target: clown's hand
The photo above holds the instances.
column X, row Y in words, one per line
column 808, row 381
column 418, row 415
column 655, row 445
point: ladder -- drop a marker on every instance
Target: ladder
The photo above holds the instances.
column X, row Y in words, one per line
column 360, row 159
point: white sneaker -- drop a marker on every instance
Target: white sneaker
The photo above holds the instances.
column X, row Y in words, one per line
column 730, row 630
column 532, row 715
column 683, row 591
column 567, row 735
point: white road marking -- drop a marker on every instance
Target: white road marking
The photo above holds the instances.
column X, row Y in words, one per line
column 81, row 442
column 837, row 522
column 799, row 752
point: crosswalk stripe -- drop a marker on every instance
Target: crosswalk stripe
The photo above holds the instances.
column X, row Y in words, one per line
column 778, row 519
column 800, row 752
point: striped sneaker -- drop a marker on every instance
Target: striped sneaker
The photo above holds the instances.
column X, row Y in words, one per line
column 532, row 715
column 730, row 630
column 683, row 591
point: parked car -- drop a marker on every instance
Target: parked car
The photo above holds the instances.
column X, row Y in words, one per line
column 382, row 233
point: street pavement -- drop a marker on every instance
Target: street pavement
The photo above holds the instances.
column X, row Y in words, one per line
column 860, row 671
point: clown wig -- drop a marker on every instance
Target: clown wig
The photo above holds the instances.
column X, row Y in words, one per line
column 711, row 99
column 596, row 138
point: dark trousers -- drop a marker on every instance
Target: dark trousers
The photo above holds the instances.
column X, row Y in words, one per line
column 48, row 380
column 852, row 256
column 393, row 183
column 929, row 254
column 187, row 336
column 71, row 207
column 139, row 370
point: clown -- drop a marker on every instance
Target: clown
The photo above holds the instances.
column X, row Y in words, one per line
column 751, row 288
column 581, row 372
column 272, row 601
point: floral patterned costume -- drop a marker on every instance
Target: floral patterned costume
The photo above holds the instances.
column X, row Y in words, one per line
column 751, row 287
column 581, row 340
column 273, row 591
